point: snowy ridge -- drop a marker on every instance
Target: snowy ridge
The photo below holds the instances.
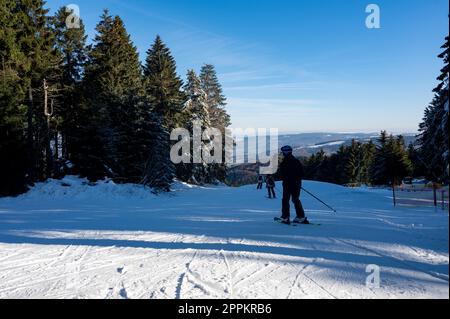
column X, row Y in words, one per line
column 327, row 144
column 121, row 241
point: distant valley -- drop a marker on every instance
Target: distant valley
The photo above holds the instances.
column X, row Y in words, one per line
column 307, row 144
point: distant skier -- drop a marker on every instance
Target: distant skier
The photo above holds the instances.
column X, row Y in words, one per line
column 260, row 182
column 291, row 171
column 270, row 184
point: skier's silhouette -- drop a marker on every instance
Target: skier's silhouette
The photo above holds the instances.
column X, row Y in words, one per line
column 291, row 171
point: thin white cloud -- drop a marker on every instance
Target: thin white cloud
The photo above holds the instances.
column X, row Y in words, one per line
column 279, row 104
column 278, row 86
column 246, row 75
column 198, row 47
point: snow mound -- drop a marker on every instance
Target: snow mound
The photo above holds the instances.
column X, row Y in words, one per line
column 73, row 187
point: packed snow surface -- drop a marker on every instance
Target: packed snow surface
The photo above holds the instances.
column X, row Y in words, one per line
column 69, row 239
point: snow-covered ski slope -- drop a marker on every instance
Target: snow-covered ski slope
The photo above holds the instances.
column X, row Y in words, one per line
column 118, row 241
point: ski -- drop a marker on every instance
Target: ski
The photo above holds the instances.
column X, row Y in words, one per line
column 278, row 220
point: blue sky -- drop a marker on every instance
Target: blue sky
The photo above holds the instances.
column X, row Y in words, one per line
column 299, row 65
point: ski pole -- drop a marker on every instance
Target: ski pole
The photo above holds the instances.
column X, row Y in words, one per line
column 306, row 191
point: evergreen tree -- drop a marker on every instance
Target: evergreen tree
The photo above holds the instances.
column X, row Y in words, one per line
column 340, row 170
column 368, row 152
column 327, row 171
column 28, row 59
column 215, row 99
column 314, row 166
column 418, row 167
column 113, row 96
column 124, row 137
column 353, row 165
column 378, row 175
column 442, row 87
column 196, row 103
column 216, row 102
column 163, row 86
column 399, row 165
column 36, row 41
column 197, row 109
column 61, row 101
column 13, row 168
column 433, row 139
column 158, row 170
column 71, row 44
column 391, row 163
column 163, row 89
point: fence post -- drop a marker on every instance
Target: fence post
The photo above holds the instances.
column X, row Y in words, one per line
column 435, row 194
column 443, row 199
column 393, row 193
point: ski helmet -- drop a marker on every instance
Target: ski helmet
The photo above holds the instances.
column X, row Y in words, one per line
column 287, row 150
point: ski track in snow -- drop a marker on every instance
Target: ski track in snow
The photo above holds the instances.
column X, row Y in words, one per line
column 120, row 242
column 182, row 277
column 395, row 259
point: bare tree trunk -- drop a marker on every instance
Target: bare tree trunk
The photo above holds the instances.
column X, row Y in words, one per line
column 48, row 150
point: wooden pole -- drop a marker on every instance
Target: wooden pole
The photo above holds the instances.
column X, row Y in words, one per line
column 393, row 194
column 435, row 194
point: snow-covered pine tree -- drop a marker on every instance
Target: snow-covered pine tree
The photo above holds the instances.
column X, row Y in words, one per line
column 197, row 100
column 216, row 101
column 433, row 140
column 197, row 109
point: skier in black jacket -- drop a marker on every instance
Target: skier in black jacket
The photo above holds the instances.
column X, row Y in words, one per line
column 260, row 182
column 291, row 171
column 270, row 184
